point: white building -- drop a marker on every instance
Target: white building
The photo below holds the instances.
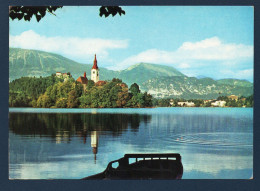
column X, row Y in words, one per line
column 171, row 102
column 219, row 103
column 186, row 104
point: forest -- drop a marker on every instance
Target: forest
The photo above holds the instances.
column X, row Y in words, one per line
column 53, row 92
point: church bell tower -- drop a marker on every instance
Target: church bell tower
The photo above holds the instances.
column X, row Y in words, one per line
column 95, row 71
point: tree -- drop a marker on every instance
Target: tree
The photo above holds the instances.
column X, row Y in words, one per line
column 78, row 89
column 116, row 80
column 27, row 12
column 44, row 101
column 148, row 102
column 140, row 100
column 134, row 89
column 90, row 84
column 61, row 103
column 72, row 99
column 85, row 101
column 123, row 98
column 163, row 103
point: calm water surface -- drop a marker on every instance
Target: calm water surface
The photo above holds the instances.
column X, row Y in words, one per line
column 215, row 143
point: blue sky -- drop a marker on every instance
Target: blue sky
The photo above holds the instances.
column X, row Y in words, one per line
column 197, row 40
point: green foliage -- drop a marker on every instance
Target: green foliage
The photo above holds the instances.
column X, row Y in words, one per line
column 19, row 100
column 61, row 102
column 44, row 101
column 148, row 100
column 25, row 91
column 116, row 80
column 134, row 89
column 90, row 84
column 163, row 102
column 70, row 94
column 72, row 99
column 32, row 87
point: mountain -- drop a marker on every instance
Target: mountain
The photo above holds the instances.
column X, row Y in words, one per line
column 193, row 88
column 201, row 76
column 158, row 80
column 23, row 62
column 142, row 72
column 235, row 82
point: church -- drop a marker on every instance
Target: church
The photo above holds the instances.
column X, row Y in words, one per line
column 94, row 76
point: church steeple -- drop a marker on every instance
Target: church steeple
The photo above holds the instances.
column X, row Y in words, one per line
column 94, row 71
column 95, row 63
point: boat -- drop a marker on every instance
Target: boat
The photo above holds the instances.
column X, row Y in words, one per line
column 142, row 166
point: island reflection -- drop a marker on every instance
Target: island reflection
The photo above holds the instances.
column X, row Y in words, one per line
column 63, row 126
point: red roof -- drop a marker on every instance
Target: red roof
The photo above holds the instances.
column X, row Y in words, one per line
column 82, row 80
column 95, row 63
column 100, row 83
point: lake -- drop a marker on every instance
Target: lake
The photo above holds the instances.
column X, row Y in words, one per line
column 215, row 143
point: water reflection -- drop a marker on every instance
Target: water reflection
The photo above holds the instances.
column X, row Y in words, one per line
column 62, row 126
column 94, row 143
column 71, row 145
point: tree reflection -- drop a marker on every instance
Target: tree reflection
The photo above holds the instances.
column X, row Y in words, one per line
column 64, row 125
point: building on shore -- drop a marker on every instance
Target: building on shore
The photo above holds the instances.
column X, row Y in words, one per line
column 186, row 104
column 233, row 97
column 171, row 102
column 94, row 76
column 218, row 103
column 65, row 76
column 83, row 80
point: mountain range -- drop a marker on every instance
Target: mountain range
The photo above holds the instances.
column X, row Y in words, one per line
column 158, row 80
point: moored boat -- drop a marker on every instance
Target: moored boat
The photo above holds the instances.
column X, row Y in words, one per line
column 143, row 166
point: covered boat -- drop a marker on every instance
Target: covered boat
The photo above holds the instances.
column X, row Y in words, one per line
column 143, row 166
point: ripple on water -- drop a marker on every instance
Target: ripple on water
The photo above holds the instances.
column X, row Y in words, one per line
column 224, row 139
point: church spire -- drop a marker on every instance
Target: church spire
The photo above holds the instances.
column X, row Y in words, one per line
column 95, row 71
column 95, row 63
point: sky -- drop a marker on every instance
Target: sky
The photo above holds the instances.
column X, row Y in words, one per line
column 212, row 41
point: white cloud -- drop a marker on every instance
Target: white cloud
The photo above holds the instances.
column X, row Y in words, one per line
column 211, row 49
column 72, row 47
column 190, row 56
column 207, row 43
column 214, row 49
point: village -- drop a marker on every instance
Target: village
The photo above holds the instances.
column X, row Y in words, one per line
column 208, row 103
